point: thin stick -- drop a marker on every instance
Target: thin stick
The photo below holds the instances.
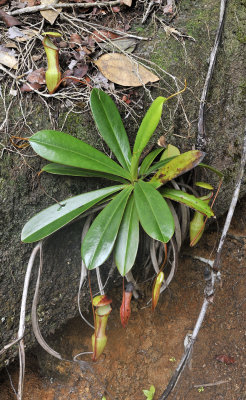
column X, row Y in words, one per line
column 130, row 278
column 210, row 384
column 210, row 278
column 123, row 34
column 21, row 330
column 42, row 7
column 216, row 265
column 201, row 137
column 147, row 12
column 35, row 324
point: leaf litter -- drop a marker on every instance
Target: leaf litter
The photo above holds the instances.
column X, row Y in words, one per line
column 124, row 71
column 91, row 54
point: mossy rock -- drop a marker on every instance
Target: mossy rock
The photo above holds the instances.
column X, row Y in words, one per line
column 23, row 193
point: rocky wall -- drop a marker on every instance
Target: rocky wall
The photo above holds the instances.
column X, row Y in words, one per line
column 23, row 194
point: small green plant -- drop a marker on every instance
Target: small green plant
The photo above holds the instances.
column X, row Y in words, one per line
column 99, row 338
column 200, row 389
column 138, row 198
column 149, row 393
column 197, row 224
column 53, row 73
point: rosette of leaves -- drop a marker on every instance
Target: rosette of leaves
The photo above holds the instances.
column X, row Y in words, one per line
column 138, row 198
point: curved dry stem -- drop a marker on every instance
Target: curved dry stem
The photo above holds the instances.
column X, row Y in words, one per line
column 153, row 255
column 130, row 278
column 178, row 234
column 83, row 273
column 174, row 263
column 99, row 281
column 201, row 137
column 21, row 330
column 35, row 324
column 174, row 266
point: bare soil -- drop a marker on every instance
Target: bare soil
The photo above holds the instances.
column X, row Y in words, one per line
column 149, row 349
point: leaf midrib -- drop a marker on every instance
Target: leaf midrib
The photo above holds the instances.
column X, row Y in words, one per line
column 127, row 246
column 118, row 143
column 79, row 154
column 152, row 212
column 106, row 226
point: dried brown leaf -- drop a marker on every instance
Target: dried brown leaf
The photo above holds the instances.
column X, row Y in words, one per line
column 127, row 2
column 80, row 71
column 50, row 15
column 77, row 73
column 100, row 36
column 62, row 44
column 125, row 44
column 37, row 57
column 116, row 9
column 11, row 45
column 162, row 141
column 8, row 59
column 85, row 50
column 21, row 35
column 168, row 9
column 37, row 76
column 29, row 88
column 75, row 40
column 225, row 359
column 124, row 71
column 8, row 19
column 29, row 34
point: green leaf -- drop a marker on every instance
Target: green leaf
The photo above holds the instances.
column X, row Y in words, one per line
column 55, row 217
column 170, row 152
column 216, row 171
column 154, row 213
column 149, row 393
column 147, row 161
column 62, row 148
column 110, row 125
column 127, row 240
column 178, row 166
column 60, row 169
column 158, row 165
column 99, row 240
column 204, row 185
column 187, row 199
column 146, row 130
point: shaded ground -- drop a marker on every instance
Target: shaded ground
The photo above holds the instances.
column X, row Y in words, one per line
column 22, row 192
column 147, row 352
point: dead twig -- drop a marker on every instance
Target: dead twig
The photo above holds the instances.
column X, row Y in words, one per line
column 42, row 7
column 211, row 384
column 211, row 276
column 170, row 31
column 148, row 11
column 122, row 34
column 217, row 266
column 201, row 137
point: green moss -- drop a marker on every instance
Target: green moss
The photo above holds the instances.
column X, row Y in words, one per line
column 80, row 127
column 243, row 87
column 241, row 35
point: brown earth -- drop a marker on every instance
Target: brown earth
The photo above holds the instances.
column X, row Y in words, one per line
column 149, row 349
